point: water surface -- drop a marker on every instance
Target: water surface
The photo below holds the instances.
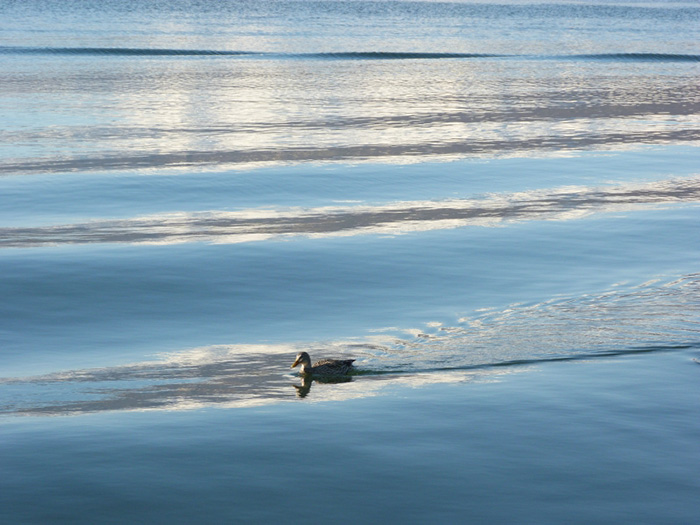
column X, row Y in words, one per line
column 491, row 206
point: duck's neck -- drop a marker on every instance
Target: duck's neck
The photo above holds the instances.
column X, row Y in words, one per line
column 305, row 368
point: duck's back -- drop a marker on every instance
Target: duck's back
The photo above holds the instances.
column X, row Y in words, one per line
column 332, row 366
column 334, row 362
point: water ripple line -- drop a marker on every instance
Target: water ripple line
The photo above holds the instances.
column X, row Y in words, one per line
column 337, row 55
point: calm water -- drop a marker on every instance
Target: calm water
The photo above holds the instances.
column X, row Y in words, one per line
column 492, row 206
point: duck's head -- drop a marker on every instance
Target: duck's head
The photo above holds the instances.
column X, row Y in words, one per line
column 302, row 359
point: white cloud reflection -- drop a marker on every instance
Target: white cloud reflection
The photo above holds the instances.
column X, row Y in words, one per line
column 227, row 227
column 224, row 376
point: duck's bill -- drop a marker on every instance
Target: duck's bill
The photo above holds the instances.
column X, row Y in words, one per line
column 296, row 362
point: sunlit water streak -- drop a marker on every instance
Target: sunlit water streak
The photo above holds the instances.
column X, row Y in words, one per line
column 256, row 108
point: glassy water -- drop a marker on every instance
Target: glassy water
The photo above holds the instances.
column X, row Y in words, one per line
column 448, row 192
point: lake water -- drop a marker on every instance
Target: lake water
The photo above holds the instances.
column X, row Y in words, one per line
column 493, row 207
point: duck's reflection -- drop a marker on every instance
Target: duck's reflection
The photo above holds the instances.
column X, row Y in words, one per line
column 305, row 387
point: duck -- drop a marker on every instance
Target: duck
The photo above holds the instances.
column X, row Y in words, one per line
column 324, row 367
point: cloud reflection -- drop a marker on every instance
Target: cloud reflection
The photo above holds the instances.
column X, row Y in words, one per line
column 555, row 204
column 225, row 376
